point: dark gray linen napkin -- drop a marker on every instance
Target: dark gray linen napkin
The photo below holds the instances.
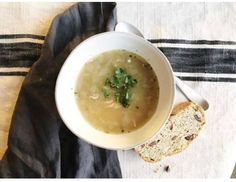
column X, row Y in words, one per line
column 39, row 144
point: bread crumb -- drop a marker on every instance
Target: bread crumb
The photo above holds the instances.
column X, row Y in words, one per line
column 167, row 169
column 156, row 170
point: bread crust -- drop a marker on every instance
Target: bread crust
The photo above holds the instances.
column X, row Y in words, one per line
column 180, row 107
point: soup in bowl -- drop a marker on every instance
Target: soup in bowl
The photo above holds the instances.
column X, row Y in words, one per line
column 115, row 90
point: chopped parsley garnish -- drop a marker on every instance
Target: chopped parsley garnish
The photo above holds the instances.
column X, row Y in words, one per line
column 105, row 92
column 121, row 82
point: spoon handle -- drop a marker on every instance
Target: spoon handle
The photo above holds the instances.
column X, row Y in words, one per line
column 127, row 28
column 191, row 94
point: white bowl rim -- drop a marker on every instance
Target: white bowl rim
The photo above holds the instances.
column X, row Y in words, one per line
column 172, row 91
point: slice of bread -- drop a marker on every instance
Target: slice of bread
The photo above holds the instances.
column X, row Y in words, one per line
column 184, row 124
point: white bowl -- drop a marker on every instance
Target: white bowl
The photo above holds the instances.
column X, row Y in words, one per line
column 66, row 81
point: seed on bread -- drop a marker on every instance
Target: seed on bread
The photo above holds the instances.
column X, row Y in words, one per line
column 143, row 145
column 152, row 143
column 190, row 137
column 174, row 137
column 197, row 117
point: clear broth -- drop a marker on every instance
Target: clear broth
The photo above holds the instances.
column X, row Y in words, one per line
column 106, row 114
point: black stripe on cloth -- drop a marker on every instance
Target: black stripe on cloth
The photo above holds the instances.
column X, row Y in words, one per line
column 19, row 54
column 184, row 41
column 207, row 79
column 14, row 73
column 194, row 60
column 201, row 60
column 15, row 36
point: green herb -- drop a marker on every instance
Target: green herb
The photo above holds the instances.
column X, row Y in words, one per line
column 121, row 82
column 105, row 92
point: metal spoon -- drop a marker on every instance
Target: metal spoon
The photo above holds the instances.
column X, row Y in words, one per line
column 191, row 94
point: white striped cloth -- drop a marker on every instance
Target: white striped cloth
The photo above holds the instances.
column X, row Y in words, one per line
column 199, row 39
